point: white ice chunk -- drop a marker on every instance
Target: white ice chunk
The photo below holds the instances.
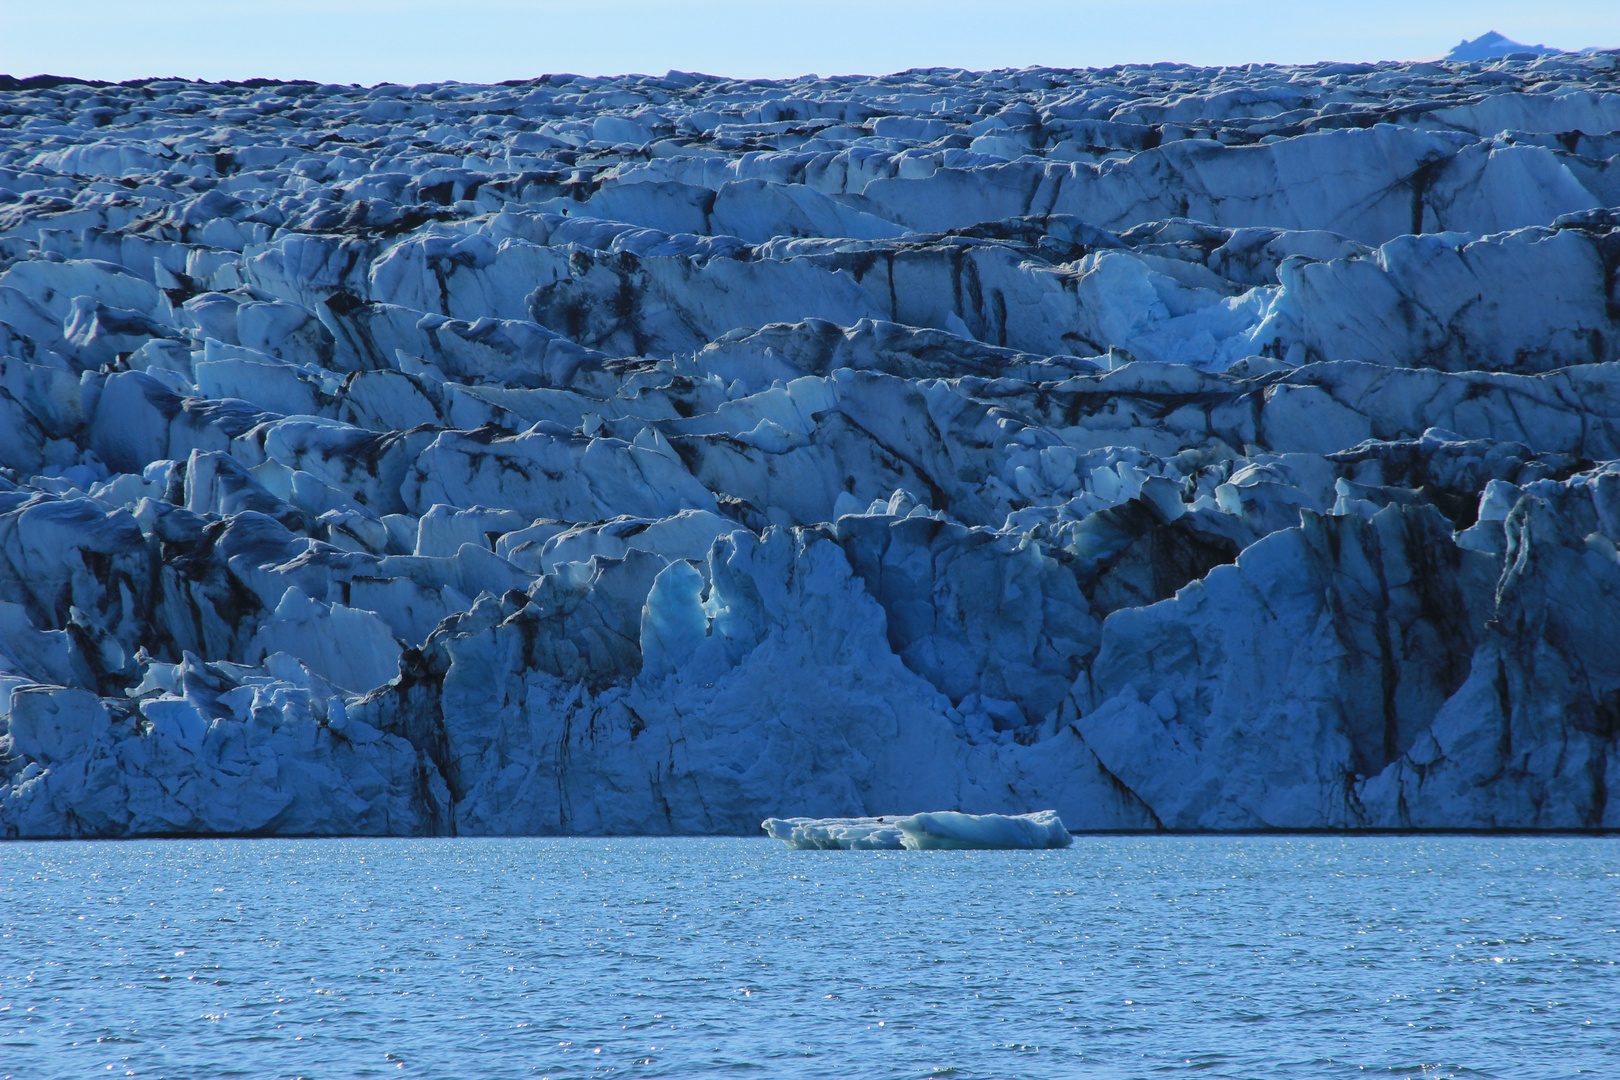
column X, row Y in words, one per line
column 949, row 829
column 941, row 829
column 846, row 834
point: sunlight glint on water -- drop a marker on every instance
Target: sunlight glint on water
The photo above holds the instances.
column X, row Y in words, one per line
column 1120, row 957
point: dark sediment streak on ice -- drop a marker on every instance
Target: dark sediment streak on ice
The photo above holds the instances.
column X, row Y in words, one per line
column 1178, row 448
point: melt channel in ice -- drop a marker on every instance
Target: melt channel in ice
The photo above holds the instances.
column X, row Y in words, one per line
column 945, row 829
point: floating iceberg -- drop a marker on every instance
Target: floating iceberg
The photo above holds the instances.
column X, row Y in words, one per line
column 846, row 834
column 942, row 829
column 949, row 829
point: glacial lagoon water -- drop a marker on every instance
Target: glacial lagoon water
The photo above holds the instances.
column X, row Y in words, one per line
column 1244, row 956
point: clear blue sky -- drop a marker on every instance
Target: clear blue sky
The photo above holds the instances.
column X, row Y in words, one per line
column 487, row 40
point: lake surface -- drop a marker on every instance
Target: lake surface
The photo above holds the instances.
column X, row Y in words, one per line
column 1294, row 957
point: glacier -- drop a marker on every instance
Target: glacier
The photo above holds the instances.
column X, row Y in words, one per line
column 1176, row 448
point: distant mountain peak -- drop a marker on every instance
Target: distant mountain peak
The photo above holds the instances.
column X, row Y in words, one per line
column 1490, row 45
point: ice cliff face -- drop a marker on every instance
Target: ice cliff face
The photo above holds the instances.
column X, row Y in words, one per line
column 1186, row 448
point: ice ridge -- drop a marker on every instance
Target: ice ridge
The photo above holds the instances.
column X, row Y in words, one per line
column 1178, row 448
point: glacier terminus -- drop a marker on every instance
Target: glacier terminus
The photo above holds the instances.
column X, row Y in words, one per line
column 1175, row 448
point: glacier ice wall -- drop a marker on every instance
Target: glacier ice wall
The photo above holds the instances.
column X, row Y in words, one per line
column 1177, row 448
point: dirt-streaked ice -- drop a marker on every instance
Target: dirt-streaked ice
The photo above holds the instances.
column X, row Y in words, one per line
column 1221, row 448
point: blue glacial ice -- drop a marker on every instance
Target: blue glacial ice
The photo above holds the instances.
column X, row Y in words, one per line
column 1185, row 448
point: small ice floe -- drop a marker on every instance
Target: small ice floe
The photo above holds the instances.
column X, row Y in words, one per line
column 942, row 829
column 848, row 834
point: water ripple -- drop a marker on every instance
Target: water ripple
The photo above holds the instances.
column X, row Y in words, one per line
column 1299, row 957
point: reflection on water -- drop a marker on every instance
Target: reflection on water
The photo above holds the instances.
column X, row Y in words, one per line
column 1120, row 957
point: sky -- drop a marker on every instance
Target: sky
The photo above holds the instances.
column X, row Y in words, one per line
column 409, row 41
